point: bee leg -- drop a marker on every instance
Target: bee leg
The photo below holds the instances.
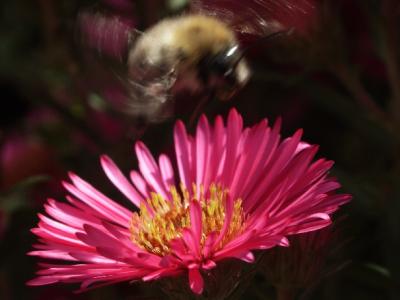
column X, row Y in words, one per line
column 208, row 95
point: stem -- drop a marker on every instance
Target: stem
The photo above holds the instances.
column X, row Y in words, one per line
column 353, row 84
column 389, row 11
column 49, row 20
column 285, row 293
column 199, row 107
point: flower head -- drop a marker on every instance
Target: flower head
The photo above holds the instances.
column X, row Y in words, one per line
column 236, row 190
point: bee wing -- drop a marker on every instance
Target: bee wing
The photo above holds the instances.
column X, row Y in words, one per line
column 107, row 34
column 259, row 17
column 143, row 92
column 148, row 95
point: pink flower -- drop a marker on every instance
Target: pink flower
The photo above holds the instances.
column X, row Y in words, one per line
column 22, row 157
column 2, row 223
column 236, row 190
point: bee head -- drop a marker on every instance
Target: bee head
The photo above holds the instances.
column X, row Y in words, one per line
column 226, row 71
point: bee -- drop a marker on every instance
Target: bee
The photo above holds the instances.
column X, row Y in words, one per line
column 195, row 54
column 200, row 51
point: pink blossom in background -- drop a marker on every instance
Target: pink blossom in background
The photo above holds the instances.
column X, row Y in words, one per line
column 111, row 128
column 42, row 118
column 2, row 223
column 234, row 190
column 22, row 157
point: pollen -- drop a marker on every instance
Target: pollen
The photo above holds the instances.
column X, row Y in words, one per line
column 161, row 220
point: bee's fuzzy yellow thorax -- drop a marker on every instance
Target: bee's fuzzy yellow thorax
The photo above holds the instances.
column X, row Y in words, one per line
column 197, row 35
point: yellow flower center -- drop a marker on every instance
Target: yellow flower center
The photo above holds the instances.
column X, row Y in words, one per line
column 154, row 231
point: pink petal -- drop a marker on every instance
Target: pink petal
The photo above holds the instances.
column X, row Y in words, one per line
column 285, row 153
column 161, row 273
column 149, row 169
column 190, row 241
column 228, row 217
column 209, row 244
column 260, row 168
column 42, row 281
column 257, row 141
column 246, row 257
column 167, row 172
column 202, row 155
column 216, row 152
column 234, row 129
column 196, row 281
column 140, row 184
column 119, row 180
column 182, row 153
column 208, row 265
column 196, row 223
column 97, row 200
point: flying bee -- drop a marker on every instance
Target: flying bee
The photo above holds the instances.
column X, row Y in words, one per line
column 197, row 52
column 197, row 55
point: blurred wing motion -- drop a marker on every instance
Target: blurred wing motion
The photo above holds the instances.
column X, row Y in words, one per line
column 143, row 93
column 109, row 35
column 260, row 17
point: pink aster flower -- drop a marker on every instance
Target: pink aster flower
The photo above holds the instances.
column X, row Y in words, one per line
column 235, row 190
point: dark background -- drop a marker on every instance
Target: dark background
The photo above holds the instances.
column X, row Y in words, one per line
column 339, row 80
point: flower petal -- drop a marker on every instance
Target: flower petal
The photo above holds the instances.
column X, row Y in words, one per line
column 119, row 180
column 196, row 281
column 149, row 169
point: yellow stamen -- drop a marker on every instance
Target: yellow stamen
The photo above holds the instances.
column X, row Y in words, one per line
column 154, row 231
